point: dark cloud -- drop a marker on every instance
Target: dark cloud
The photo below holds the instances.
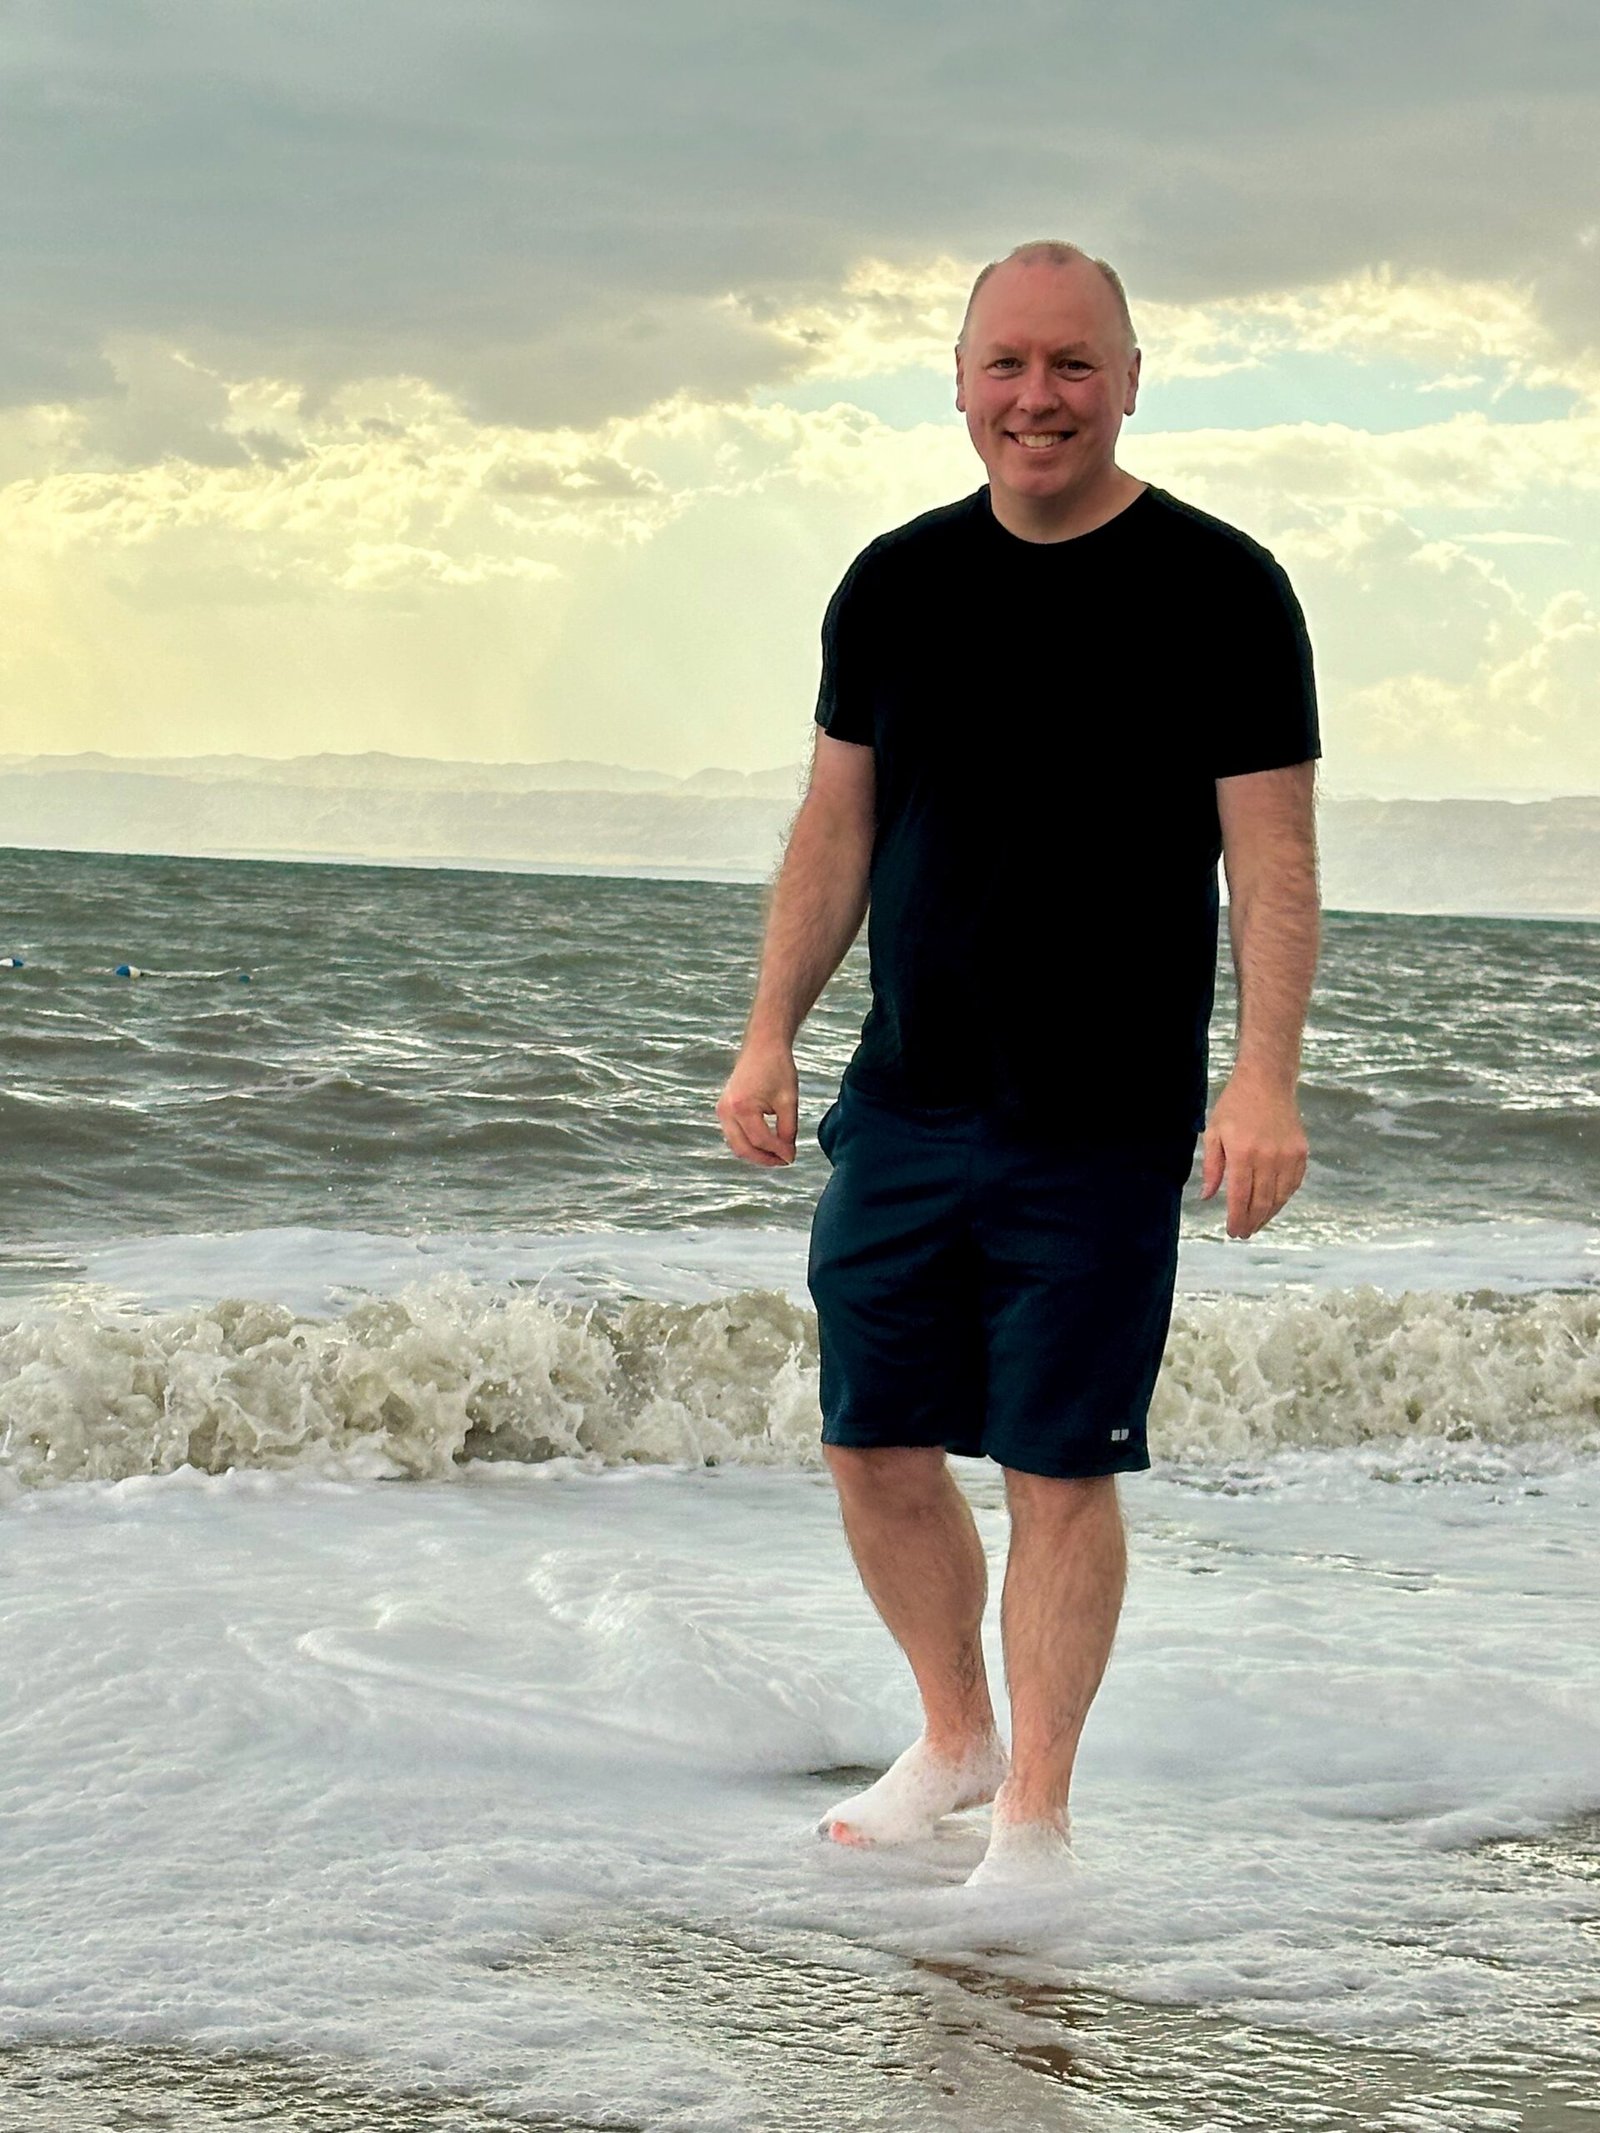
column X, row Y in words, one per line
column 529, row 200
column 267, row 448
column 59, row 361
column 159, row 406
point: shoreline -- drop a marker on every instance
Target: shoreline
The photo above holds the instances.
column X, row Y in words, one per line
column 914, row 2042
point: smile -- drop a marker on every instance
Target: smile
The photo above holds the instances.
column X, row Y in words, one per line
column 1038, row 440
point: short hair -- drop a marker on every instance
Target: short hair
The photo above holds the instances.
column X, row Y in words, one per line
column 1054, row 252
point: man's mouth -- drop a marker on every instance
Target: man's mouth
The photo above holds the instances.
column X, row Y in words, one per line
column 1038, row 440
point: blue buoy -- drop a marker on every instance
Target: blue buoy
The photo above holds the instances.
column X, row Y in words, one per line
column 127, row 970
column 244, row 977
column 13, row 962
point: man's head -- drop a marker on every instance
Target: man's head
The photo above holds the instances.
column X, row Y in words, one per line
column 1047, row 352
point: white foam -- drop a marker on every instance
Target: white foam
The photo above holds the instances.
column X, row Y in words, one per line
column 1035, row 1857
column 403, row 1386
column 914, row 1795
column 318, row 1271
column 447, row 1371
column 331, row 1767
column 1514, row 1256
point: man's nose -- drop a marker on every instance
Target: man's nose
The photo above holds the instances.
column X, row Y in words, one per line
column 1039, row 389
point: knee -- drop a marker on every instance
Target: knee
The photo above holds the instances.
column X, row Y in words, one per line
column 1050, row 1498
column 890, row 1477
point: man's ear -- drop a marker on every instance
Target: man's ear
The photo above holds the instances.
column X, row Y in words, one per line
column 1130, row 399
column 961, row 386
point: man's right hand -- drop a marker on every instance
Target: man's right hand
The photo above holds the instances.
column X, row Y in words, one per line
column 763, row 1086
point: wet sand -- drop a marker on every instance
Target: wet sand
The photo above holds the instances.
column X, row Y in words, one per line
column 805, row 2030
column 1084, row 2067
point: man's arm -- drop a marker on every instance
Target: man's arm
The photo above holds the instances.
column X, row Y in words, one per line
column 815, row 911
column 1269, row 847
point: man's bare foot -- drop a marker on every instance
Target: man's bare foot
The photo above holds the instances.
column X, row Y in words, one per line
column 1025, row 1851
column 916, row 1790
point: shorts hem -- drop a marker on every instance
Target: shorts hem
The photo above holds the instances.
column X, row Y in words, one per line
column 857, row 1441
column 1134, row 1461
column 1139, row 1464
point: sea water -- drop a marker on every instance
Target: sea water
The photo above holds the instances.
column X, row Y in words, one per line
column 428, row 1634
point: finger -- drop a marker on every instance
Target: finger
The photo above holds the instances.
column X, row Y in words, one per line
column 743, row 1147
column 1264, row 1203
column 1283, row 1190
column 788, row 1117
column 747, row 1152
column 1213, row 1167
column 1271, row 1198
column 1241, row 1182
column 752, row 1119
column 748, row 1117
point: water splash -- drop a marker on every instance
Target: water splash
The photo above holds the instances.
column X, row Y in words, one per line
column 452, row 1370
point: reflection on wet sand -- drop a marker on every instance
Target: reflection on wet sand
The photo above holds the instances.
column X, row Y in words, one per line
column 140, row 2088
column 825, row 2034
column 808, row 2030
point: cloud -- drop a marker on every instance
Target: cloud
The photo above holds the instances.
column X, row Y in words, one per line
column 1518, row 718
column 494, row 378
column 577, row 210
column 1515, row 540
column 1435, row 667
column 389, row 477
column 1295, row 476
column 1420, row 317
column 382, row 565
column 186, row 448
column 886, row 316
column 596, row 474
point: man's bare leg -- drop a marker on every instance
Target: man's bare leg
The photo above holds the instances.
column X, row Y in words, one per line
column 917, row 1549
column 1065, row 1576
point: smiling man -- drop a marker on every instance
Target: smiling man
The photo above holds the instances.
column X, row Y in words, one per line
column 1046, row 712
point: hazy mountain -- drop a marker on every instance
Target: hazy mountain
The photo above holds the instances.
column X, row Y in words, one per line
column 1530, row 857
column 379, row 772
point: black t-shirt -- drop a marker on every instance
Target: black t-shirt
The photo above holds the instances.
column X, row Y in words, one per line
column 1048, row 721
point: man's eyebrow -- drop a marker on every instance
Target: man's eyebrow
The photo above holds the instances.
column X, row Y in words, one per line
column 1004, row 348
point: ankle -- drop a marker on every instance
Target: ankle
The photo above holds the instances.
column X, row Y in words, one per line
column 962, row 1743
column 1018, row 1803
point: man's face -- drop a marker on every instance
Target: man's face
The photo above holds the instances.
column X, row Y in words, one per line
column 1046, row 359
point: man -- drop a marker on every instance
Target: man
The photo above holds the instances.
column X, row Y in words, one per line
column 1045, row 712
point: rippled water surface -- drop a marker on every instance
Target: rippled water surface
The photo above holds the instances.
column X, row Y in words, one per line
column 426, row 1639
column 422, row 1049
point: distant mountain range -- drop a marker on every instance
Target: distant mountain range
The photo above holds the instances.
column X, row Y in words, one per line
column 1528, row 858
column 376, row 771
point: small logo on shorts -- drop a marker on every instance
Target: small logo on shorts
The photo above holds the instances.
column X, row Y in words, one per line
column 1118, row 1436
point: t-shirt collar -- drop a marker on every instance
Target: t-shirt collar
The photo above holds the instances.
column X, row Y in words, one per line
column 991, row 528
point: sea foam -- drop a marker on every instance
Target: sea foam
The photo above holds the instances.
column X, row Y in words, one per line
column 450, row 1371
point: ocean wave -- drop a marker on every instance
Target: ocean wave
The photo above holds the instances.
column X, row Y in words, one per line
column 452, row 1370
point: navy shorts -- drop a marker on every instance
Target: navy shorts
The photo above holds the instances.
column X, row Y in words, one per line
column 981, row 1290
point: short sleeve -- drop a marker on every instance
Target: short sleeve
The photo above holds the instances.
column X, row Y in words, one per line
column 845, row 697
column 1266, row 696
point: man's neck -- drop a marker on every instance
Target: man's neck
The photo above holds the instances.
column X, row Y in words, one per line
column 1058, row 518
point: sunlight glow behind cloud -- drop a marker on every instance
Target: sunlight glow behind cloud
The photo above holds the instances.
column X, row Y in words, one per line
column 383, row 514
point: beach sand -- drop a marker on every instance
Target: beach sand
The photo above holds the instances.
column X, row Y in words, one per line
column 815, row 2033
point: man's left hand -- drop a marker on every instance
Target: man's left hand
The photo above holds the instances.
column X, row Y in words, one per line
column 1255, row 1140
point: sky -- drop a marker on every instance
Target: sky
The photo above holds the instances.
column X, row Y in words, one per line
column 514, row 380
